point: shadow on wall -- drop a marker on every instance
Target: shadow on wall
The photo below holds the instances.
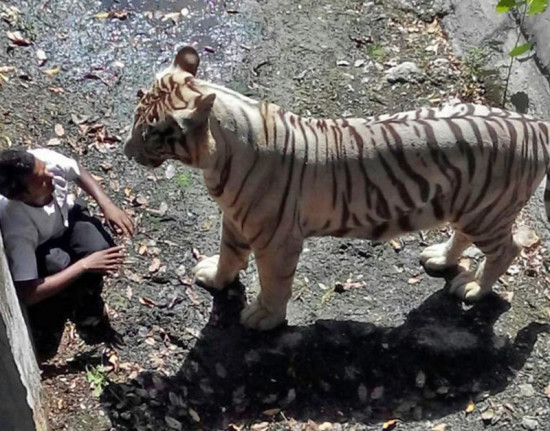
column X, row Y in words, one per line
column 520, row 100
column 335, row 371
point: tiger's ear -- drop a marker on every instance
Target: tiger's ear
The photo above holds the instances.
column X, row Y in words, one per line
column 187, row 59
column 205, row 103
column 203, row 108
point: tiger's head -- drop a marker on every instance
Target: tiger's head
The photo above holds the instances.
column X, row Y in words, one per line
column 171, row 119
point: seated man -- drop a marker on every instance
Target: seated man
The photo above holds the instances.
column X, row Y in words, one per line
column 57, row 252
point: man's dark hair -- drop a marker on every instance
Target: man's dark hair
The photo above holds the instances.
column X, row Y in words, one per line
column 15, row 167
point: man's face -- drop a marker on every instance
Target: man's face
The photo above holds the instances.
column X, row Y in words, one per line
column 39, row 186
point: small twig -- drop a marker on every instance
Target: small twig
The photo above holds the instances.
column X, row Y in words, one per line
column 522, row 19
column 255, row 69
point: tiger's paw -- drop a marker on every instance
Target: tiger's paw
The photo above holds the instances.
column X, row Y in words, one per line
column 206, row 272
column 467, row 288
column 257, row 316
column 434, row 258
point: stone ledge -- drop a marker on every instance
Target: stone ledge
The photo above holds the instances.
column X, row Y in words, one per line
column 21, row 398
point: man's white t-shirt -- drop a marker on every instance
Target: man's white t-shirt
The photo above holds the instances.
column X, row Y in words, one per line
column 25, row 227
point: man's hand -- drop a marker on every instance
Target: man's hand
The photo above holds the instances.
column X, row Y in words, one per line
column 118, row 220
column 104, row 261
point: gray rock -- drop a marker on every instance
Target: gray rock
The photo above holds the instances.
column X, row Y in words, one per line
column 526, row 390
column 404, row 72
column 529, row 423
column 181, row 271
column 473, row 252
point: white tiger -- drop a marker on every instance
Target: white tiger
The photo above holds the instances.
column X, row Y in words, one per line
column 280, row 178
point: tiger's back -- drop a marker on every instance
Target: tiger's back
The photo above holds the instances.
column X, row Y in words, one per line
column 375, row 178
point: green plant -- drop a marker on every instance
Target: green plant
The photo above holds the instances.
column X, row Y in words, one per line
column 475, row 62
column 521, row 8
column 376, row 51
column 183, row 180
column 97, row 379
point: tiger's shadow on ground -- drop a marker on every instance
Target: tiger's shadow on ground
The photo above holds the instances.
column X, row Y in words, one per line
column 428, row 367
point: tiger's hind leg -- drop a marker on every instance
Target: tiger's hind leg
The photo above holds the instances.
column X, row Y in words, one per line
column 220, row 270
column 499, row 252
column 439, row 257
column 276, row 269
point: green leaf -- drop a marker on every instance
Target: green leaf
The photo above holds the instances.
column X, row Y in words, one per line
column 537, row 6
column 520, row 49
column 504, row 6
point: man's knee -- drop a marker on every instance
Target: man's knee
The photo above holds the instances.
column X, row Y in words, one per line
column 88, row 237
column 56, row 260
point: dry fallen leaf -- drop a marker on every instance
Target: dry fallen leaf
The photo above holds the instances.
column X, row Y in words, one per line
column 526, row 237
column 513, row 270
column 488, row 415
column 41, row 55
column 102, row 139
column 59, row 130
column 101, row 15
column 348, row 285
column 147, row 301
column 440, row 427
column 54, row 142
column 155, row 265
column 17, row 38
column 465, row 262
column 114, row 360
column 507, row 296
column 174, row 16
column 142, row 249
column 194, row 415
column 118, row 14
column 547, row 390
column 132, row 276
column 197, row 255
column 396, row 244
column 415, row 280
column 470, row 407
column 271, row 412
column 7, row 69
column 79, row 119
column 173, row 423
column 53, row 71
column 389, row 425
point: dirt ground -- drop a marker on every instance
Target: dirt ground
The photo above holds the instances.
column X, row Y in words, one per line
column 372, row 342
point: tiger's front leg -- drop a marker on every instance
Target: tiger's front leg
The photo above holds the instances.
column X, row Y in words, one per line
column 276, row 269
column 220, row 270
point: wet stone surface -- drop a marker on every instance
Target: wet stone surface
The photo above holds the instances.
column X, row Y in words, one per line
column 370, row 336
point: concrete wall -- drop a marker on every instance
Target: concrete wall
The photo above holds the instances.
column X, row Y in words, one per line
column 537, row 29
column 475, row 23
column 21, row 403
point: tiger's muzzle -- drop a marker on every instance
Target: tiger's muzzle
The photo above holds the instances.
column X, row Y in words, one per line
column 132, row 151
